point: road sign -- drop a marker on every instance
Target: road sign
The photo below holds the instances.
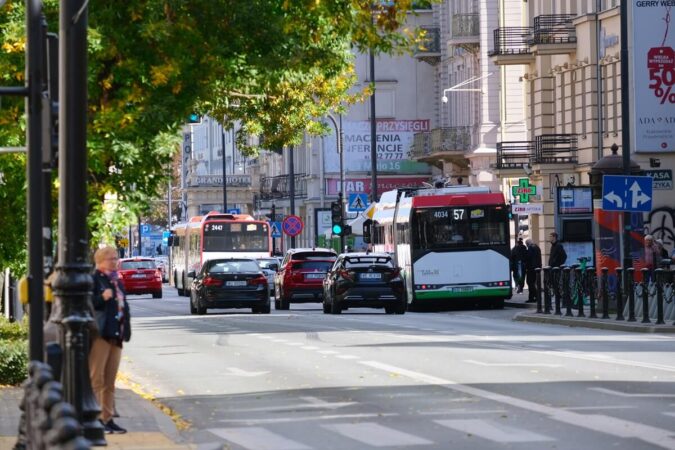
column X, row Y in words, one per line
column 165, row 237
column 357, row 201
column 234, row 211
column 145, row 229
column 292, row 225
column 625, row 193
column 275, row 228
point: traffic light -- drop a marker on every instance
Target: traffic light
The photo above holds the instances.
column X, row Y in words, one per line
column 195, row 118
column 336, row 217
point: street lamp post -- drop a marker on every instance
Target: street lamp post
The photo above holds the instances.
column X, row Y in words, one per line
column 291, row 182
column 222, row 134
column 625, row 127
column 73, row 282
column 373, row 134
column 339, row 142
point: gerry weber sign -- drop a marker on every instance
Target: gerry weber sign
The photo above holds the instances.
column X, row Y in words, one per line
column 653, row 75
column 217, row 180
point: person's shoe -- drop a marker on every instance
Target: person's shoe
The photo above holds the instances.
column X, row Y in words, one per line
column 530, row 301
column 106, row 428
column 114, row 428
column 519, row 291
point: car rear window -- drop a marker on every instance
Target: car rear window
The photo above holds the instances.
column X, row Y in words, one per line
column 308, row 256
column 236, row 266
column 313, row 265
column 145, row 264
column 367, row 261
column 268, row 264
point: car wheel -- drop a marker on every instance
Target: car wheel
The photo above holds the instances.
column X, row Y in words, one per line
column 326, row 307
column 401, row 307
column 186, row 292
column 389, row 309
column 265, row 309
column 157, row 294
column 201, row 310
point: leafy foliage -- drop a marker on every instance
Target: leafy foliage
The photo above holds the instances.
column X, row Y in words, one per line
column 13, row 351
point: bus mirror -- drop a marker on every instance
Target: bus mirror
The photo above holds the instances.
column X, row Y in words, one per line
column 367, row 226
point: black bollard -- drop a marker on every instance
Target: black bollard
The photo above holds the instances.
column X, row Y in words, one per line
column 53, row 356
column 556, row 289
column 592, row 284
column 604, row 292
column 567, row 298
column 537, row 282
column 580, row 292
column 619, row 293
column 658, row 279
column 630, row 286
column 645, row 295
column 547, row 290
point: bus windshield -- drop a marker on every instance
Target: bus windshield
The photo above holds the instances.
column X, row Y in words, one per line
column 234, row 237
column 459, row 227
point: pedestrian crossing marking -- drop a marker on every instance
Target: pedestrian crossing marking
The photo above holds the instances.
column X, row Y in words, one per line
column 257, row 438
column 376, row 435
column 493, row 431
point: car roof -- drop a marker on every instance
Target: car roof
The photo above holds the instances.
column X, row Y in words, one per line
column 311, row 249
column 137, row 258
column 229, row 260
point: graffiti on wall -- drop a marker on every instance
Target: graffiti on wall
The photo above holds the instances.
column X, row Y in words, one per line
column 661, row 224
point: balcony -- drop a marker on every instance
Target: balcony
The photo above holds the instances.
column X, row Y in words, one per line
column 421, row 145
column 512, row 46
column 556, row 149
column 514, row 154
column 272, row 188
column 429, row 50
column 465, row 29
column 450, row 139
column 554, row 34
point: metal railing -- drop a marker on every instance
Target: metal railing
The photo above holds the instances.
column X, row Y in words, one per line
column 555, row 149
column 421, row 144
column 651, row 299
column 431, row 43
column 279, row 187
column 446, row 139
column 514, row 154
column 465, row 25
column 554, row 29
column 512, row 41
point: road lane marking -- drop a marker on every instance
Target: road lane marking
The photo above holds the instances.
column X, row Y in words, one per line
column 671, row 414
column 487, row 364
column 626, row 394
column 294, row 344
column 243, row 373
column 309, row 347
column 302, row 419
column 347, row 357
column 597, row 408
column 328, row 352
column 493, row 431
column 376, row 435
column 597, row 423
column 257, row 438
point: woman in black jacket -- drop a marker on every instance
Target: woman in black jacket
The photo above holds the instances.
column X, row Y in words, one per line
column 112, row 318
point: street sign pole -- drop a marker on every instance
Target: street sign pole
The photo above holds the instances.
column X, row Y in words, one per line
column 274, row 219
column 625, row 126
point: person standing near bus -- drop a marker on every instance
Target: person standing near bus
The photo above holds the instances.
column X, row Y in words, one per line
column 532, row 264
column 113, row 320
column 558, row 256
column 518, row 264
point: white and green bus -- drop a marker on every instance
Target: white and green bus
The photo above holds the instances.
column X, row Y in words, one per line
column 452, row 243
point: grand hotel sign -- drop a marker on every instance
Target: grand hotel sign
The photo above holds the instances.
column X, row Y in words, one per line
column 217, row 180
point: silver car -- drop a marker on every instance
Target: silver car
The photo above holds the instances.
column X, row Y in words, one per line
column 269, row 266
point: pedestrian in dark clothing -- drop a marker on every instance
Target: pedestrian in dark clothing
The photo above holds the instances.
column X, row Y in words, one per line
column 532, row 263
column 518, row 264
column 558, row 256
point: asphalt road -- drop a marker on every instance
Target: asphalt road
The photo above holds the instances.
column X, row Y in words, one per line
column 299, row 379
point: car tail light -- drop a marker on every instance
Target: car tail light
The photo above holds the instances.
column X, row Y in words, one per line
column 210, row 281
column 345, row 275
column 395, row 274
column 260, row 280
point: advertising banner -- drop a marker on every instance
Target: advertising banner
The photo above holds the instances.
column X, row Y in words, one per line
column 383, row 184
column 394, row 141
column 653, row 76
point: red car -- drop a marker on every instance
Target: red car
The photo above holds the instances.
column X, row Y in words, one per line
column 140, row 276
column 300, row 277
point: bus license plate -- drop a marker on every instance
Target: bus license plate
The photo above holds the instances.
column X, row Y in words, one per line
column 235, row 283
column 314, row 276
column 371, row 276
column 462, row 289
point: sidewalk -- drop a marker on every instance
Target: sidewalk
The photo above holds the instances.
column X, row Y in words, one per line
column 148, row 427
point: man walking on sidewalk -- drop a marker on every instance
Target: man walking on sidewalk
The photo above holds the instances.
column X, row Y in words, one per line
column 518, row 258
column 532, row 263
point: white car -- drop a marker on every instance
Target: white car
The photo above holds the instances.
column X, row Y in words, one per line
column 269, row 266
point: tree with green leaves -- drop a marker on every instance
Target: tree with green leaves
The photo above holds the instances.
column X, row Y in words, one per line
column 274, row 65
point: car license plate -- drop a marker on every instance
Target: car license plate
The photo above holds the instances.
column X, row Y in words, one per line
column 138, row 275
column 235, row 283
column 371, row 276
column 314, row 276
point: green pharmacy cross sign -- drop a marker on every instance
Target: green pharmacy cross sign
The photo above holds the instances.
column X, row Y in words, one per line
column 524, row 190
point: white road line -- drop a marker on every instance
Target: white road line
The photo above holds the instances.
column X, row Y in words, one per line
column 671, row 414
column 487, row 364
column 328, row 352
column 294, row 344
column 347, row 357
column 597, row 423
column 279, row 341
column 597, row 408
column 303, row 419
column 309, row 347
column 497, row 432
column 257, row 438
column 376, row 435
column 462, row 411
column 626, row 394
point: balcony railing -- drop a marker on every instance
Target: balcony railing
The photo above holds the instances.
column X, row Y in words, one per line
column 465, row 25
column 279, row 188
column 421, row 144
column 512, row 41
column 514, row 154
column 429, row 49
column 556, row 149
column 554, row 29
column 448, row 139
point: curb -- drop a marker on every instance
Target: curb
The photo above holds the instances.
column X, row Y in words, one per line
column 601, row 324
column 520, row 305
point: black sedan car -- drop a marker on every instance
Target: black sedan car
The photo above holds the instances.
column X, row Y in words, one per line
column 367, row 280
column 229, row 283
